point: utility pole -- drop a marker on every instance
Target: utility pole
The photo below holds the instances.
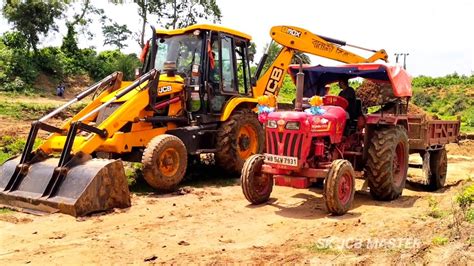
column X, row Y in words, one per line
column 397, row 55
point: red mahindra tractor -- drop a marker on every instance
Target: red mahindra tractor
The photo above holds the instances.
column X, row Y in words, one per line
column 327, row 144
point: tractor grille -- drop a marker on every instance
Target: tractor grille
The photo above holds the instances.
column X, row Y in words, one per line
column 285, row 143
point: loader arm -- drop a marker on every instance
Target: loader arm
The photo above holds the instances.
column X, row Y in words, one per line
column 298, row 39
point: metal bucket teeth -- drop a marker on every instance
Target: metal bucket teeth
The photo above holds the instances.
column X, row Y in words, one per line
column 93, row 186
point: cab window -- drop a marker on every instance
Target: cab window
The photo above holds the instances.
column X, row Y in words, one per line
column 228, row 70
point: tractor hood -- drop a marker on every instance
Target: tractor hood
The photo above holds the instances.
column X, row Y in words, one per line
column 331, row 122
column 316, row 77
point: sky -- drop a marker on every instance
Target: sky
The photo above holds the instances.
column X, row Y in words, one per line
column 438, row 35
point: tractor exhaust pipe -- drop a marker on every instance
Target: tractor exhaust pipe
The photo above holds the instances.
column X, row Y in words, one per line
column 299, row 87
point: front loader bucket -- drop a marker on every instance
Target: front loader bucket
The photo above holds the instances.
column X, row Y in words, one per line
column 95, row 185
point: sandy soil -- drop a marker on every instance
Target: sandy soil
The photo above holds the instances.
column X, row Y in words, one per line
column 212, row 223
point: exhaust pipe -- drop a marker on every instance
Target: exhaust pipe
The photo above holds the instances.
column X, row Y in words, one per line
column 299, row 87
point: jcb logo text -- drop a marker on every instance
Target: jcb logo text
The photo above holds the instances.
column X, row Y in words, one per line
column 272, row 84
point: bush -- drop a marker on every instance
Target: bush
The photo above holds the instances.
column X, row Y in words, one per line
column 452, row 79
column 51, row 61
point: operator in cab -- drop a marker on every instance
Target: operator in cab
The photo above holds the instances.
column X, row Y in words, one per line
column 348, row 93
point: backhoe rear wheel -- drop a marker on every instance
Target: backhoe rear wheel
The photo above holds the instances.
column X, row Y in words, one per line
column 387, row 163
column 164, row 162
column 238, row 138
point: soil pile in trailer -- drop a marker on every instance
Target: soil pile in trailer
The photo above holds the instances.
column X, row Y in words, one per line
column 373, row 93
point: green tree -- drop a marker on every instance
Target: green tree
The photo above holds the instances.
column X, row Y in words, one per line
column 145, row 8
column 116, row 35
column 69, row 45
column 182, row 13
column 275, row 49
column 33, row 18
column 78, row 22
column 174, row 13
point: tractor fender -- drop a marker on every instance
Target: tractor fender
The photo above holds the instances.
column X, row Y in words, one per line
column 387, row 120
column 235, row 103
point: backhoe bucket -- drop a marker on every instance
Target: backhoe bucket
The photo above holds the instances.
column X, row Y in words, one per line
column 95, row 185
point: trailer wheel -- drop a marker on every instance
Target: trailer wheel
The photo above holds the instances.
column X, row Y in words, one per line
column 164, row 162
column 238, row 138
column 438, row 169
column 256, row 186
column 339, row 187
column 387, row 163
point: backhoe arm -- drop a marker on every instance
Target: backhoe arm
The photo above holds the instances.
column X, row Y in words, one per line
column 297, row 39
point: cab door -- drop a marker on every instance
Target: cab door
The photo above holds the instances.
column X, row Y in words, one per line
column 229, row 74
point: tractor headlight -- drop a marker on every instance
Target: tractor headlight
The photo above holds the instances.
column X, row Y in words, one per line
column 293, row 125
column 271, row 124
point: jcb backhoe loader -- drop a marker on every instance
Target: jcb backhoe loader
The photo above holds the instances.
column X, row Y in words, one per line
column 195, row 94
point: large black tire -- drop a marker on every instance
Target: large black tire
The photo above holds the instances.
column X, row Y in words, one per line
column 339, row 187
column 438, row 169
column 238, row 138
column 164, row 162
column 256, row 186
column 387, row 163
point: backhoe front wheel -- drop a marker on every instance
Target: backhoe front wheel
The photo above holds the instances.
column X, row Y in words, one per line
column 387, row 163
column 238, row 138
column 164, row 162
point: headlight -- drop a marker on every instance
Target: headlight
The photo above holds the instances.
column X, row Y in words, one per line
column 293, row 125
column 271, row 124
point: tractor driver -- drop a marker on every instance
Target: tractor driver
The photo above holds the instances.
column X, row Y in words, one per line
column 348, row 93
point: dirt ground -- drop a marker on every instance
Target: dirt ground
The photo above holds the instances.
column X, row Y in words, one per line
column 210, row 222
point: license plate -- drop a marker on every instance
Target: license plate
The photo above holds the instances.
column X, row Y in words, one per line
column 278, row 159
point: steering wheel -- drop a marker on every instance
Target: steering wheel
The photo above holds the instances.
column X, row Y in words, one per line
column 335, row 100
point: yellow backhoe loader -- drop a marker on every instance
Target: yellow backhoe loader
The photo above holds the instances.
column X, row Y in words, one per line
column 195, row 94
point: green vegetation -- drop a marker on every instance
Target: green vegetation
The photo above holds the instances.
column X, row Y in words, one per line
column 440, row 82
column 439, row 240
column 435, row 211
column 323, row 249
column 5, row 210
column 31, row 111
column 465, row 200
column 10, row 147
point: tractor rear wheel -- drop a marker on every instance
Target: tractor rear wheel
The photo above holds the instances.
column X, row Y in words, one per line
column 438, row 169
column 387, row 163
column 164, row 162
column 339, row 187
column 238, row 138
column 256, row 186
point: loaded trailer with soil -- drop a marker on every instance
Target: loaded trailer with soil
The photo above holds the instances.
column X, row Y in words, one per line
column 429, row 139
column 325, row 140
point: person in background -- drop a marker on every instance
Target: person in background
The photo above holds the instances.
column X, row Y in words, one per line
column 349, row 94
column 60, row 90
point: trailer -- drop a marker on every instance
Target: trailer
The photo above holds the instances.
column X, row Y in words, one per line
column 429, row 138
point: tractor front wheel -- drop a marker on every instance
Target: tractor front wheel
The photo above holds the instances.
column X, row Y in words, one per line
column 238, row 138
column 339, row 187
column 256, row 185
column 164, row 162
